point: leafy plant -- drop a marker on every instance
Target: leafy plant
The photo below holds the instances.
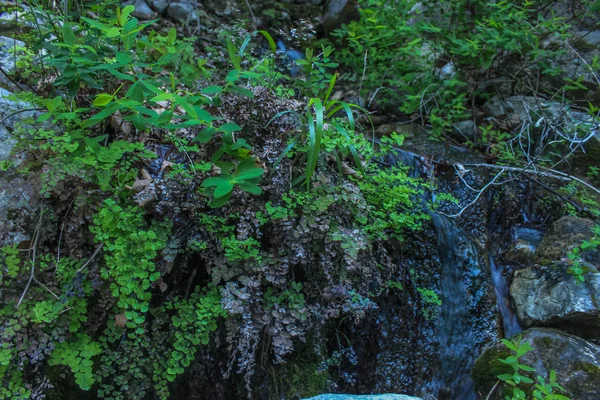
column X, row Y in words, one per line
column 246, row 176
column 542, row 390
column 77, row 356
column 577, row 267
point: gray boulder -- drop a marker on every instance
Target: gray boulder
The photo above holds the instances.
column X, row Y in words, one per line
column 548, row 295
column 565, row 234
column 363, row 397
column 338, row 13
column 575, row 360
column 142, row 9
column 159, row 5
column 10, row 51
column 15, row 192
column 182, row 12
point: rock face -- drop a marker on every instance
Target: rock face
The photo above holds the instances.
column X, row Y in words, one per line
column 364, row 397
column 575, row 360
column 10, row 51
column 337, row 13
column 566, row 233
column 15, row 193
column 547, row 295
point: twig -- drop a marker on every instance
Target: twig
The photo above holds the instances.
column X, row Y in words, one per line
column 34, row 248
column 548, row 173
column 364, row 72
column 45, row 287
column 489, row 396
column 61, row 235
column 585, row 62
column 91, row 258
column 554, row 192
column 251, row 15
column 18, row 112
column 11, row 79
column 483, row 189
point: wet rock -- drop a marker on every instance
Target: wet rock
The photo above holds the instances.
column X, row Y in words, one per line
column 338, row 13
column 10, row 114
column 15, row 192
column 142, row 10
column 548, row 295
column 159, row 5
column 447, row 71
column 565, row 234
column 591, row 38
column 182, row 12
column 575, row 360
column 407, row 130
column 464, row 130
column 10, row 50
column 27, row 17
column 527, row 240
column 363, row 397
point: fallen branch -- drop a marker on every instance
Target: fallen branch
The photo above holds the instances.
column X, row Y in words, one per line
column 548, row 173
column 480, row 192
column 34, row 248
column 91, row 258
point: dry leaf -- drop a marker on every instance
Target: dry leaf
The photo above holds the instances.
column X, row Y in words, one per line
column 140, row 185
column 162, row 285
column 346, row 170
column 120, row 320
column 216, row 170
column 166, row 164
column 145, row 174
column 120, row 125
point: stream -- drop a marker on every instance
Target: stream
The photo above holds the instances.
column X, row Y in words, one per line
column 473, row 290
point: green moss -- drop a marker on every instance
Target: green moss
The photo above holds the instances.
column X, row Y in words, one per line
column 487, row 368
column 589, row 369
column 299, row 377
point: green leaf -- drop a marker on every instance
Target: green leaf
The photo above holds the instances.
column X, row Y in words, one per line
column 101, row 115
column 223, row 189
column 102, row 99
column 171, row 37
column 220, row 201
column 123, row 57
column 240, row 90
column 212, row 90
column 250, row 188
column 205, row 135
column 250, row 173
column 165, row 96
column 272, row 45
column 113, row 32
column 230, row 127
column 68, row 35
column 214, row 181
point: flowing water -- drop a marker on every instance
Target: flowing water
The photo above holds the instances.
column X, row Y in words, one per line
column 509, row 319
column 457, row 337
column 465, row 320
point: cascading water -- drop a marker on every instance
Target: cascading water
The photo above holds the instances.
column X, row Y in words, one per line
column 509, row 319
column 457, row 335
column 465, row 320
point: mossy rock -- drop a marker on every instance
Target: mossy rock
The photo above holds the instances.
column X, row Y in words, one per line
column 575, row 360
column 486, row 369
column 565, row 234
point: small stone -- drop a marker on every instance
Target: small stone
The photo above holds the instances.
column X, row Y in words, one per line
column 182, row 12
column 10, row 51
column 159, row 5
column 142, row 10
column 465, row 130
